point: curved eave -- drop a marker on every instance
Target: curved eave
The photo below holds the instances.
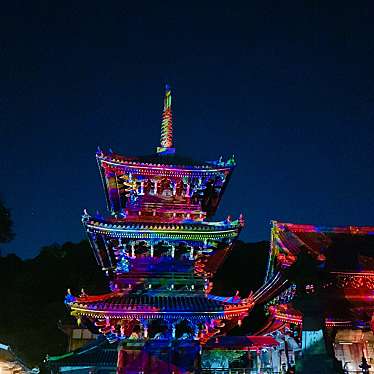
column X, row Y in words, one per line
column 307, row 228
column 239, row 311
column 114, row 162
column 296, row 318
column 167, row 231
column 149, row 312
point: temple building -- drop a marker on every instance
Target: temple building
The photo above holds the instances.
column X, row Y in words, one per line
column 160, row 249
column 319, row 288
column 11, row 364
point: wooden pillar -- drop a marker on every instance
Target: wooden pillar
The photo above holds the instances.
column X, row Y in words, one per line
column 141, row 192
column 144, row 324
column 188, row 190
column 113, row 192
column 133, row 250
column 174, row 188
column 195, row 330
column 191, row 253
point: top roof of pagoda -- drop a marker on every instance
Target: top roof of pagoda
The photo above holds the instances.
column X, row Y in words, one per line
column 163, row 160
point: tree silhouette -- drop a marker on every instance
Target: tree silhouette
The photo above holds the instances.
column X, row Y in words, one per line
column 33, row 292
column 6, row 224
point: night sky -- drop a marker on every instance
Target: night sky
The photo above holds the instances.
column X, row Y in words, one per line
column 288, row 87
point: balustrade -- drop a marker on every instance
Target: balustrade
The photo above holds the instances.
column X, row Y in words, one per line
column 134, row 248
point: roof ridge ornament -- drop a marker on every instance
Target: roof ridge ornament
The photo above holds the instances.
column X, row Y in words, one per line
column 231, row 161
column 166, row 141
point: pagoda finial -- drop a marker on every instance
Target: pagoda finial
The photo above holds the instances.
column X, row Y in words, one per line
column 166, row 143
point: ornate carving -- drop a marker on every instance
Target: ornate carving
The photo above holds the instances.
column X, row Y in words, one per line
column 354, row 280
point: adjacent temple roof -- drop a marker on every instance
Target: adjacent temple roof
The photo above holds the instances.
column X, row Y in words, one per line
column 10, row 363
column 345, row 253
column 341, row 247
column 99, row 353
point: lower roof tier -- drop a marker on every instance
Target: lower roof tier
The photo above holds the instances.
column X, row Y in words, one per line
column 119, row 305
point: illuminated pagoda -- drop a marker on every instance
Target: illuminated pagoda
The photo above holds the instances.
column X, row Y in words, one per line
column 320, row 280
column 160, row 248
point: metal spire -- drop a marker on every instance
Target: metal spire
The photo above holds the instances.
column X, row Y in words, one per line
column 166, row 143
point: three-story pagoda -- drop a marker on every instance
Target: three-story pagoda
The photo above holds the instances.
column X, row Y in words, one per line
column 159, row 246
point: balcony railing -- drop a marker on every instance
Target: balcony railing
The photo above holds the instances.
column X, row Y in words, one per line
column 237, row 371
column 259, row 371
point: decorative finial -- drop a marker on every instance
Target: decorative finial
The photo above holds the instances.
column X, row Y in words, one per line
column 69, row 298
column 241, row 219
column 85, row 215
column 231, row 161
column 166, row 143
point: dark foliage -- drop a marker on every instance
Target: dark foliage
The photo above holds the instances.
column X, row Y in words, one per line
column 306, row 270
column 244, row 270
column 6, row 224
column 33, row 295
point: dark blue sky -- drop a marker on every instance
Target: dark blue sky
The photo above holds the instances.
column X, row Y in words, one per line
column 288, row 87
